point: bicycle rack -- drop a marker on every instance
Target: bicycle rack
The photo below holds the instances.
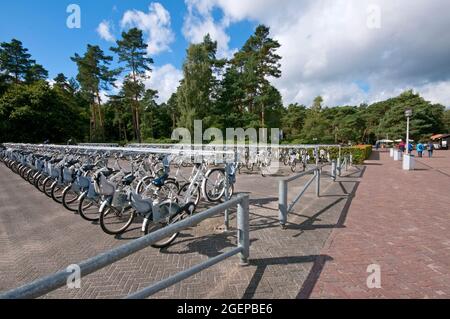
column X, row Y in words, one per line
column 50, row 283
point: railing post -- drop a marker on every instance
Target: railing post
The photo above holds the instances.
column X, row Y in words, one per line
column 243, row 229
column 333, row 170
column 282, row 202
column 317, row 182
column 339, row 166
column 227, row 212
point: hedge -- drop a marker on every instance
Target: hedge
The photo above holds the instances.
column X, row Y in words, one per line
column 360, row 153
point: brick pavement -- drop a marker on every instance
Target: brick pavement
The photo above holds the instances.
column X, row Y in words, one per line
column 399, row 220
column 39, row 237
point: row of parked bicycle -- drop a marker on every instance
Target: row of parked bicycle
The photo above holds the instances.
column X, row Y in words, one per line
column 85, row 182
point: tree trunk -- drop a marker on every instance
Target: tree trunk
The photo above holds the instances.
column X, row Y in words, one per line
column 138, row 122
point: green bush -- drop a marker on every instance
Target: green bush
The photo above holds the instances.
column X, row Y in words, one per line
column 360, row 153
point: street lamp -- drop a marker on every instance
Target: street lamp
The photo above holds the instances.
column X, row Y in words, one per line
column 408, row 114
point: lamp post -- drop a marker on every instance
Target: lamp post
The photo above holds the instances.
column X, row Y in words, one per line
column 408, row 114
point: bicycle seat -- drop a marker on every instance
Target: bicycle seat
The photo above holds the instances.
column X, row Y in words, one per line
column 159, row 182
column 88, row 167
column 128, row 179
column 141, row 205
column 105, row 171
column 72, row 162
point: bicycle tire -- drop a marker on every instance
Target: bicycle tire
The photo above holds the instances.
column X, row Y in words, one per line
column 106, row 211
column 84, row 208
column 67, row 193
column 56, row 192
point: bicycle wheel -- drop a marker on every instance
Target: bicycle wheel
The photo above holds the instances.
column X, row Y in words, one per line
column 47, row 186
column 114, row 221
column 214, row 185
column 88, row 208
column 168, row 191
column 193, row 197
column 39, row 183
column 294, row 167
column 152, row 227
column 69, row 199
column 57, row 192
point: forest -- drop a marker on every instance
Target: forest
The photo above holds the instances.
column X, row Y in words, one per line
column 224, row 93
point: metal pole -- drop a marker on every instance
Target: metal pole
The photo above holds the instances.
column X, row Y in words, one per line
column 407, row 136
column 339, row 166
column 333, row 170
column 227, row 213
column 282, row 205
column 318, row 182
column 166, row 283
column 243, row 230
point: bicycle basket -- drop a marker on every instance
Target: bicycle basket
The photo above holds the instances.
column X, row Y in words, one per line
column 83, row 182
column 68, row 175
column 104, row 188
column 54, row 171
column 119, row 199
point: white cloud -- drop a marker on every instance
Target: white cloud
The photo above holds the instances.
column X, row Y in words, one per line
column 166, row 80
column 156, row 24
column 327, row 45
column 199, row 22
column 104, row 30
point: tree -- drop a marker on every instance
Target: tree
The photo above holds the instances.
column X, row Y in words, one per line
column 317, row 104
column 16, row 64
column 293, row 121
column 257, row 61
column 36, row 112
column 196, row 91
column 94, row 75
column 447, row 121
column 132, row 51
column 317, row 127
column 427, row 118
column 35, row 73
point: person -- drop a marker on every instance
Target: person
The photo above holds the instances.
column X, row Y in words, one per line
column 401, row 146
column 419, row 148
column 377, row 145
column 410, row 148
column 430, row 149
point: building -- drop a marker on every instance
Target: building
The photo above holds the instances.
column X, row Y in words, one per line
column 441, row 141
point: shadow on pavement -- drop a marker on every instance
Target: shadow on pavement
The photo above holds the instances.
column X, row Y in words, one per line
column 308, row 285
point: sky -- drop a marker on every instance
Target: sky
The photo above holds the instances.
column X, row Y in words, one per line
column 348, row 51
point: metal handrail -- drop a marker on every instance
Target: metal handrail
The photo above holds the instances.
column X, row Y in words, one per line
column 283, row 207
column 52, row 282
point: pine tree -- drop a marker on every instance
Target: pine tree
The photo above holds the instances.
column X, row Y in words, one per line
column 16, row 64
column 94, row 75
column 132, row 51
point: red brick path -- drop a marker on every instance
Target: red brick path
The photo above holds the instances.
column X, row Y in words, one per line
column 399, row 220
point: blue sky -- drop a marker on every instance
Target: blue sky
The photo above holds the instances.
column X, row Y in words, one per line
column 42, row 28
column 349, row 52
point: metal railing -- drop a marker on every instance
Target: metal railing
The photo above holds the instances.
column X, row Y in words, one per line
column 283, row 206
column 99, row 144
column 49, row 283
column 344, row 164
